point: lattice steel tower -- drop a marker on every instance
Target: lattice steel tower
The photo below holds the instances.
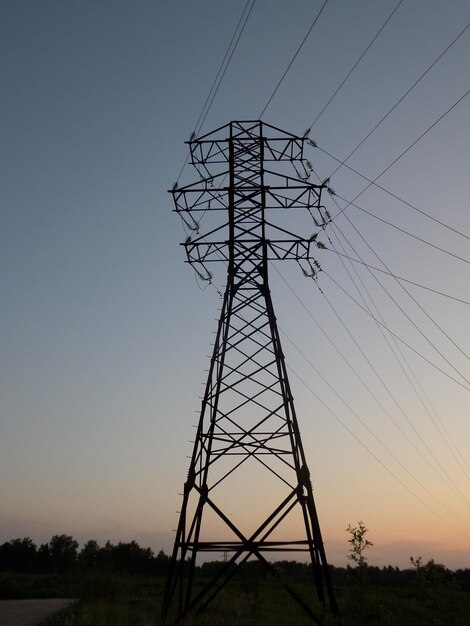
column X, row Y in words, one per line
column 248, row 482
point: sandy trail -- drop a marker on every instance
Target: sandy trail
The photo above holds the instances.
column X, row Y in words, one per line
column 29, row 612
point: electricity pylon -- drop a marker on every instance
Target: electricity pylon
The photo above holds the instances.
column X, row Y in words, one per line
column 248, row 482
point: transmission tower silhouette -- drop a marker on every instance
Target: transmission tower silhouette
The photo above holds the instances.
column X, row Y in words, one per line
column 248, row 481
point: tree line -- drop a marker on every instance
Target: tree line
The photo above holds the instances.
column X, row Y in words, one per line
column 62, row 555
column 429, row 575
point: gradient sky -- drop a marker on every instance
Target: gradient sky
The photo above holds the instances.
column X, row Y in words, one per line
column 104, row 331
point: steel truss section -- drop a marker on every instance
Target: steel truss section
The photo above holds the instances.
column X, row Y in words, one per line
column 248, row 482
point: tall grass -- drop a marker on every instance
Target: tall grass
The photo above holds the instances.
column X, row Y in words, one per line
column 135, row 601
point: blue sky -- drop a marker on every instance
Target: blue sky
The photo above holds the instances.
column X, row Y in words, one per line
column 104, row 331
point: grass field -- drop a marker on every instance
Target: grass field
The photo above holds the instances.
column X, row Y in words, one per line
column 111, row 600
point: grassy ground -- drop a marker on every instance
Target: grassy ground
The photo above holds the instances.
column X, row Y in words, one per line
column 24, row 586
column 391, row 607
column 109, row 600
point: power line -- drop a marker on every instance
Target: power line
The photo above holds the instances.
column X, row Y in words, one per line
column 293, row 58
column 365, row 425
column 390, row 193
column 397, row 346
column 310, row 314
column 361, row 380
column 227, row 64
column 214, row 83
column 400, row 278
column 220, row 74
column 417, row 304
column 401, row 309
column 402, row 230
column 393, row 338
column 403, row 96
column 355, row 65
column 339, row 352
column 338, row 419
column 387, row 389
column 436, row 367
column 438, row 426
column 405, row 151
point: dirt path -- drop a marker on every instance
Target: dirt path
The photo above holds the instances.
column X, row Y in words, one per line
column 29, row 612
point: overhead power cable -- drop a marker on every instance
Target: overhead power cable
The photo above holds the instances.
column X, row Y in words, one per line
column 293, row 58
column 438, row 423
column 422, row 309
column 405, row 343
column 402, row 230
column 240, row 27
column 433, row 467
column 198, row 128
column 355, row 65
column 414, row 300
column 403, row 484
column 216, row 83
column 366, row 426
column 403, row 96
column 361, row 380
column 400, row 278
column 393, row 338
column 390, row 193
column 441, row 117
column 338, row 351
column 333, row 225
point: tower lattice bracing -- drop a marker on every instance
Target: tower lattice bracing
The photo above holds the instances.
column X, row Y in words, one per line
column 248, row 492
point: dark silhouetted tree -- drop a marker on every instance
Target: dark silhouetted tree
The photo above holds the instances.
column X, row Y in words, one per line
column 63, row 553
column 161, row 564
column 18, row 555
column 131, row 558
column 89, row 555
column 437, row 575
column 44, row 558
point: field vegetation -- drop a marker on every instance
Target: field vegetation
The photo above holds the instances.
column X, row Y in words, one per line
column 123, row 585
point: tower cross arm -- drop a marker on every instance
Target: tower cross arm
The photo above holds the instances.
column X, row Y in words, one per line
column 207, row 252
column 295, row 249
column 291, row 249
column 206, row 151
column 213, row 147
